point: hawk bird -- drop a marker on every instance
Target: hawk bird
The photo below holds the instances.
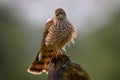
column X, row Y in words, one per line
column 58, row 33
column 62, row 68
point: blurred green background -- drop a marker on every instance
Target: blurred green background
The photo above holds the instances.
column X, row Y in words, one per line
column 97, row 49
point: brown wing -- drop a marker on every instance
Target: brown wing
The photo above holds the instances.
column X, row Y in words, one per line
column 40, row 64
column 46, row 31
column 49, row 36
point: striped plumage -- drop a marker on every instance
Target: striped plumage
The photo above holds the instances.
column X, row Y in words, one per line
column 58, row 33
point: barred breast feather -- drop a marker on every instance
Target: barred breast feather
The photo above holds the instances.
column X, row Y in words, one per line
column 60, row 34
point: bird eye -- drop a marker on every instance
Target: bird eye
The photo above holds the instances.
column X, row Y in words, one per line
column 57, row 15
column 60, row 13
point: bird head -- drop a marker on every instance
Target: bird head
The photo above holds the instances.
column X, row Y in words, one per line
column 60, row 14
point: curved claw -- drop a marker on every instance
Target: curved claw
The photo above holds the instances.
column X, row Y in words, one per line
column 73, row 41
column 64, row 49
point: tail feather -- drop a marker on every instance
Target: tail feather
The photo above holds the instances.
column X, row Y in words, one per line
column 40, row 64
column 35, row 68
